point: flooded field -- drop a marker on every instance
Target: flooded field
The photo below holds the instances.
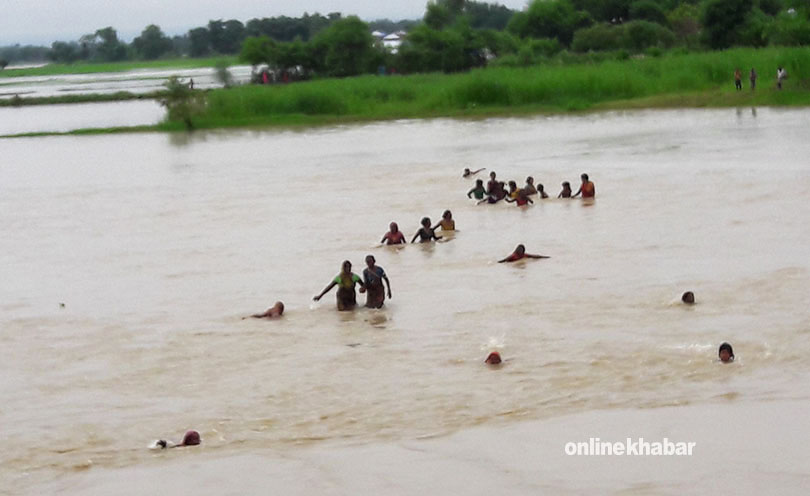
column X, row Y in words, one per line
column 158, row 245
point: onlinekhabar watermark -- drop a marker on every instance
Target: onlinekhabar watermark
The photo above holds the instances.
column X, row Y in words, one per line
column 629, row 447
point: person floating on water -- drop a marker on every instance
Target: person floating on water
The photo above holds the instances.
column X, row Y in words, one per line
column 541, row 191
column 468, row 173
column 519, row 254
column 725, row 353
column 447, row 223
column 394, row 236
column 566, row 190
column 191, row 438
column 425, row 233
column 478, row 190
column 688, row 298
column 529, row 188
column 738, row 79
column 345, row 281
column 587, row 189
column 374, row 276
column 493, row 358
column 271, row 313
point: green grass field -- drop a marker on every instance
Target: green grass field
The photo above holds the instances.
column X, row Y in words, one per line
column 88, row 68
column 684, row 80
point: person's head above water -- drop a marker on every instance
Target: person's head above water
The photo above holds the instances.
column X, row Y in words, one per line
column 393, row 227
column 530, row 180
column 512, row 185
column 520, row 250
column 426, row 221
column 467, row 171
column 566, row 185
column 447, row 214
column 492, row 175
column 192, row 438
column 688, row 298
column 347, row 266
column 539, row 187
column 479, row 183
column 370, row 260
column 725, row 353
column 584, row 178
column 493, row 358
column 279, row 307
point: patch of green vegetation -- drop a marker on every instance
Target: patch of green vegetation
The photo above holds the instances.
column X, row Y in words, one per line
column 91, row 68
column 119, row 96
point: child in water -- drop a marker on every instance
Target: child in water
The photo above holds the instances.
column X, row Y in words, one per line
column 467, row 172
column 191, row 438
column 513, row 190
column 566, row 190
column 688, row 298
column 529, row 188
column 587, row 189
column 522, row 199
column 271, row 313
column 493, row 358
column 478, row 190
column 519, row 254
column 394, row 236
column 447, row 223
column 725, row 353
column 425, row 233
column 345, row 281
column 541, row 191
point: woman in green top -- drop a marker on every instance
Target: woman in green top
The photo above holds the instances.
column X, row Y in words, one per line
column 345, row 281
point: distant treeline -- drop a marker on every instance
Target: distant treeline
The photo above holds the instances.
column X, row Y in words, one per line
column 456, row 35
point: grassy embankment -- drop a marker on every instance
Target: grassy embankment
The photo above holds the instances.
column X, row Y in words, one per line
column 685, row 80
column 91, row 68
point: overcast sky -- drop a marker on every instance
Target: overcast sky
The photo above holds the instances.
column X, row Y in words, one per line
column 44, row 21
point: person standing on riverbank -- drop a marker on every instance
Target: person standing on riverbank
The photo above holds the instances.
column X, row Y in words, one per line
column 374, row 276
column 781, row 75
column 345, row 281
column 587, row 189
column 738, row 79
column 753, row 78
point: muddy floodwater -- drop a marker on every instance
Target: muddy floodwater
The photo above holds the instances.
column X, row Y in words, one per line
column 128, row 262
column 69, row 117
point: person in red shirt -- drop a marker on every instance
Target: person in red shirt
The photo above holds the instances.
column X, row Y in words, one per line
column 394, row 236
column 519, row 254
column 587, row 189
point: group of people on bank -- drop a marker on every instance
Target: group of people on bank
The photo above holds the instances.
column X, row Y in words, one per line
column 496, row 190
column 781, row 75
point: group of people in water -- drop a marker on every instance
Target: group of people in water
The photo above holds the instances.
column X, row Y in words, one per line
column 496, row 190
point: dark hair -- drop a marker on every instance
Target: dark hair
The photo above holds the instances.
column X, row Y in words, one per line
column 584, row 176
column 727, row 347
column 425, row 220
column 539, row 187
column 479, row 181
column 566, row 183
column 688, row 297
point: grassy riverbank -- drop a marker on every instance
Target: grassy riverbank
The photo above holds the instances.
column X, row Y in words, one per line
column 687, row 80
column 119, row 96
column 91, row 68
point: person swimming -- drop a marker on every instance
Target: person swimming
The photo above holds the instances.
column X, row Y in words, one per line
column 191, row 438
column 394, row 236
column 493, row 358
column 541, row 191
column 447, row 223
column 530, row 188
column 374, row 276
column 725, row 353
column 478, row 190
column 587, row 189
column 522, row 199
column 272, row 312
column 519, row 254
column 566, row 190
column 688, row 298
column 425, row 233
column 345, row 281
column 468, row 173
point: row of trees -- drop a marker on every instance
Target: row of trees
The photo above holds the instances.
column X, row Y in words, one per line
column 456, row 35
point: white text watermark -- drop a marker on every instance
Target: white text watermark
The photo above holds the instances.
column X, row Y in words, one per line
column 629, row 447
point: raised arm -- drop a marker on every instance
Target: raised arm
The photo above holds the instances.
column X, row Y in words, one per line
column 415, row 236
column 479, row 170
column 325, row 290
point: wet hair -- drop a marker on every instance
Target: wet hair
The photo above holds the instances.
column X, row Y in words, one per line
column 566, row 184
column 539, row 187
column 280, row 305
column 371, row 257
column 520, row 247
column 530, row 179
column 393, row 225
column 512, row 184
column 493, row 358
column 726, row 347
column 584, row 177
column 492, row 174
column 425, row 221
column 479, row 182
column 192, row 438
column 688, row 297
column 344, row 264
column 447, row 213
column 466, row 169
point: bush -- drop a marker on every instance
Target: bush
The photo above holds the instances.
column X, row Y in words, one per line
column 599, row 37
column 640, row 35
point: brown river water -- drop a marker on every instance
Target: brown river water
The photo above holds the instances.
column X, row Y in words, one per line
column 158, row 245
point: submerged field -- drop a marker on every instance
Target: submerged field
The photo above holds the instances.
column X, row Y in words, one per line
column 92, row 68
column 689, row 80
